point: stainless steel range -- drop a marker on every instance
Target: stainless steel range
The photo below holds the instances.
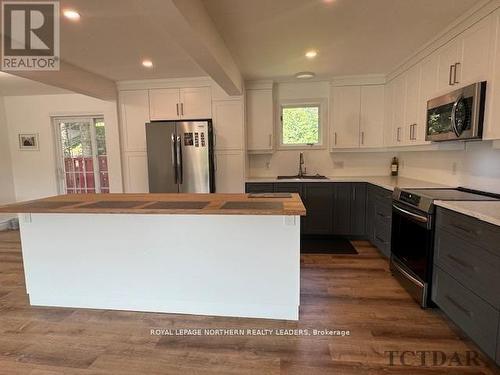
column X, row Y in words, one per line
column 412, row 246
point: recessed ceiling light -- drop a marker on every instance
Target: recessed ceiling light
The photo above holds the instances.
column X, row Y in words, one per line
column 311, row 54
column 71, row 14
column 147, row 63
column 305, row 75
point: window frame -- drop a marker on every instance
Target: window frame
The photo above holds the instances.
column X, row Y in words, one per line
column 322, row 105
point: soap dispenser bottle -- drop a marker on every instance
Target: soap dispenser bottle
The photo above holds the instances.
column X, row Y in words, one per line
column 394, row 166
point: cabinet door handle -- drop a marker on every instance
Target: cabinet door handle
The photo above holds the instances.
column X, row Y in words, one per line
column 450, row 78
column 362, row 138
column 177, row 105
column 459, row 306
column 457, row 65
column 182, row 109
column 461, row 262
column 465, row 230
column 399, row 134
column 335, row 136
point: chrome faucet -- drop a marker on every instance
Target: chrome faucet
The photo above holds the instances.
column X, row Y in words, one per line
column 302, row 171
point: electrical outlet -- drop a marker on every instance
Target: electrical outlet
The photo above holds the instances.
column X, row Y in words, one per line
column 338, row 164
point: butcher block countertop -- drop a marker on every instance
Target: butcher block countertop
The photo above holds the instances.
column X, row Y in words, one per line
column 165, row 204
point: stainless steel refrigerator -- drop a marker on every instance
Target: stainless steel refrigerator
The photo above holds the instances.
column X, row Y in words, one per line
column 180, row 156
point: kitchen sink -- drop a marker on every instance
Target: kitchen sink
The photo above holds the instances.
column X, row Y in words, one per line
column 303, row 177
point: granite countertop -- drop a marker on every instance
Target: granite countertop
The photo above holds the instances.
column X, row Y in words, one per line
column 386, row 182
column 165, row 204
column 488, row 211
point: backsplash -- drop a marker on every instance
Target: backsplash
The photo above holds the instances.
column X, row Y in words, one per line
column 322, row 162
column 476, row 167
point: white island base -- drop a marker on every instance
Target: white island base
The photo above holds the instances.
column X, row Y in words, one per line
column 226, row 265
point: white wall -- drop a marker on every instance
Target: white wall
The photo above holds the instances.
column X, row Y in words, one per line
column 317, row 161
column 7, row 194
column 476, row 167
column 35, row 171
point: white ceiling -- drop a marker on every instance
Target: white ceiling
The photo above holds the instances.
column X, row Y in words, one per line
column 114, row 36
column 11, row 85
column 268, row 38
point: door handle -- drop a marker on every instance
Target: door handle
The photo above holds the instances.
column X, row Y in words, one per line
column 182, row 109
column 177, row 106
column 457, row 65
column 451, row 76
column 420, row 218
column 174, row 158
column 335, row 136
column 179, row 160
column 461, row 262
column 398, row 137
column 362, row 138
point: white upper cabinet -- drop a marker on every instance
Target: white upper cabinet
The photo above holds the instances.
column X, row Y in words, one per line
column 345, row 117
column 428, row 90
column 260, row 120
column 492, row 117
column 176, row 104
column 195, row 103
column 388, row 115
column 372, row 116
column 475, row 53
column 412, row 107
column 164, row 104
column 398, row 111
column 229, row 125
column 465, row 59
column 448, row 64
column 134, row 106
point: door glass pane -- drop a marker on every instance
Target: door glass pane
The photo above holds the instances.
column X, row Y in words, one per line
column 83, row 149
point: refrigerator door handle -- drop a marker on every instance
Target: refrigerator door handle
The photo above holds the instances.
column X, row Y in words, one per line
column 174, row 158
column 179, row 160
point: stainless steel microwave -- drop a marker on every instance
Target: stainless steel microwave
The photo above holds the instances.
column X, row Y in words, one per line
column 458, row 115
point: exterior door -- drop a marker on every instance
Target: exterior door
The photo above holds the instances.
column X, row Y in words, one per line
column 162, row 169
column 82, row 158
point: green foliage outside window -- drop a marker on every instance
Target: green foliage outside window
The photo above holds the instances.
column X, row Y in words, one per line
column 300, row 125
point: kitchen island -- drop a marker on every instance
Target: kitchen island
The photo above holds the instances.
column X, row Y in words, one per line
column 208, row 254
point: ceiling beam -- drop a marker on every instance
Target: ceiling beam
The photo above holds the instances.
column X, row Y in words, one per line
column 191, row 26
column 73, row 78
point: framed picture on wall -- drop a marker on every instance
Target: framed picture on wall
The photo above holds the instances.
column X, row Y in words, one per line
column 28, row 142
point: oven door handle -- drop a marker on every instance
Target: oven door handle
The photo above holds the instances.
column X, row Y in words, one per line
column 419, row 218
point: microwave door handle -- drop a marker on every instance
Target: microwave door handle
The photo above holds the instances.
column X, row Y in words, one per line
column 454, row 117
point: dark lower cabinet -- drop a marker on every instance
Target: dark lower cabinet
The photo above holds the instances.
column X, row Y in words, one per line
column 333, row 208
column 358, row 209
column 466, row 285
column 379, row 218
column 342, row 197
column 318, row 199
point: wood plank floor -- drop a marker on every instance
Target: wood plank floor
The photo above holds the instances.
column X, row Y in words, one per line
column 349, row 292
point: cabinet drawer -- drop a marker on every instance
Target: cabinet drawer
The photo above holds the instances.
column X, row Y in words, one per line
column 471, row 265
column 382, row 237
column 383, row 211
column 288, row 187
column 259, row 187
column 475, row 231
column 474, row 316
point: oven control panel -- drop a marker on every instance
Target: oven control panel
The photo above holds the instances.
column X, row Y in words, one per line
column 409, row 198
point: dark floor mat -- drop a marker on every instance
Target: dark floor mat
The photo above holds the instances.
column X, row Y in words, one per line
column 325, row 245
